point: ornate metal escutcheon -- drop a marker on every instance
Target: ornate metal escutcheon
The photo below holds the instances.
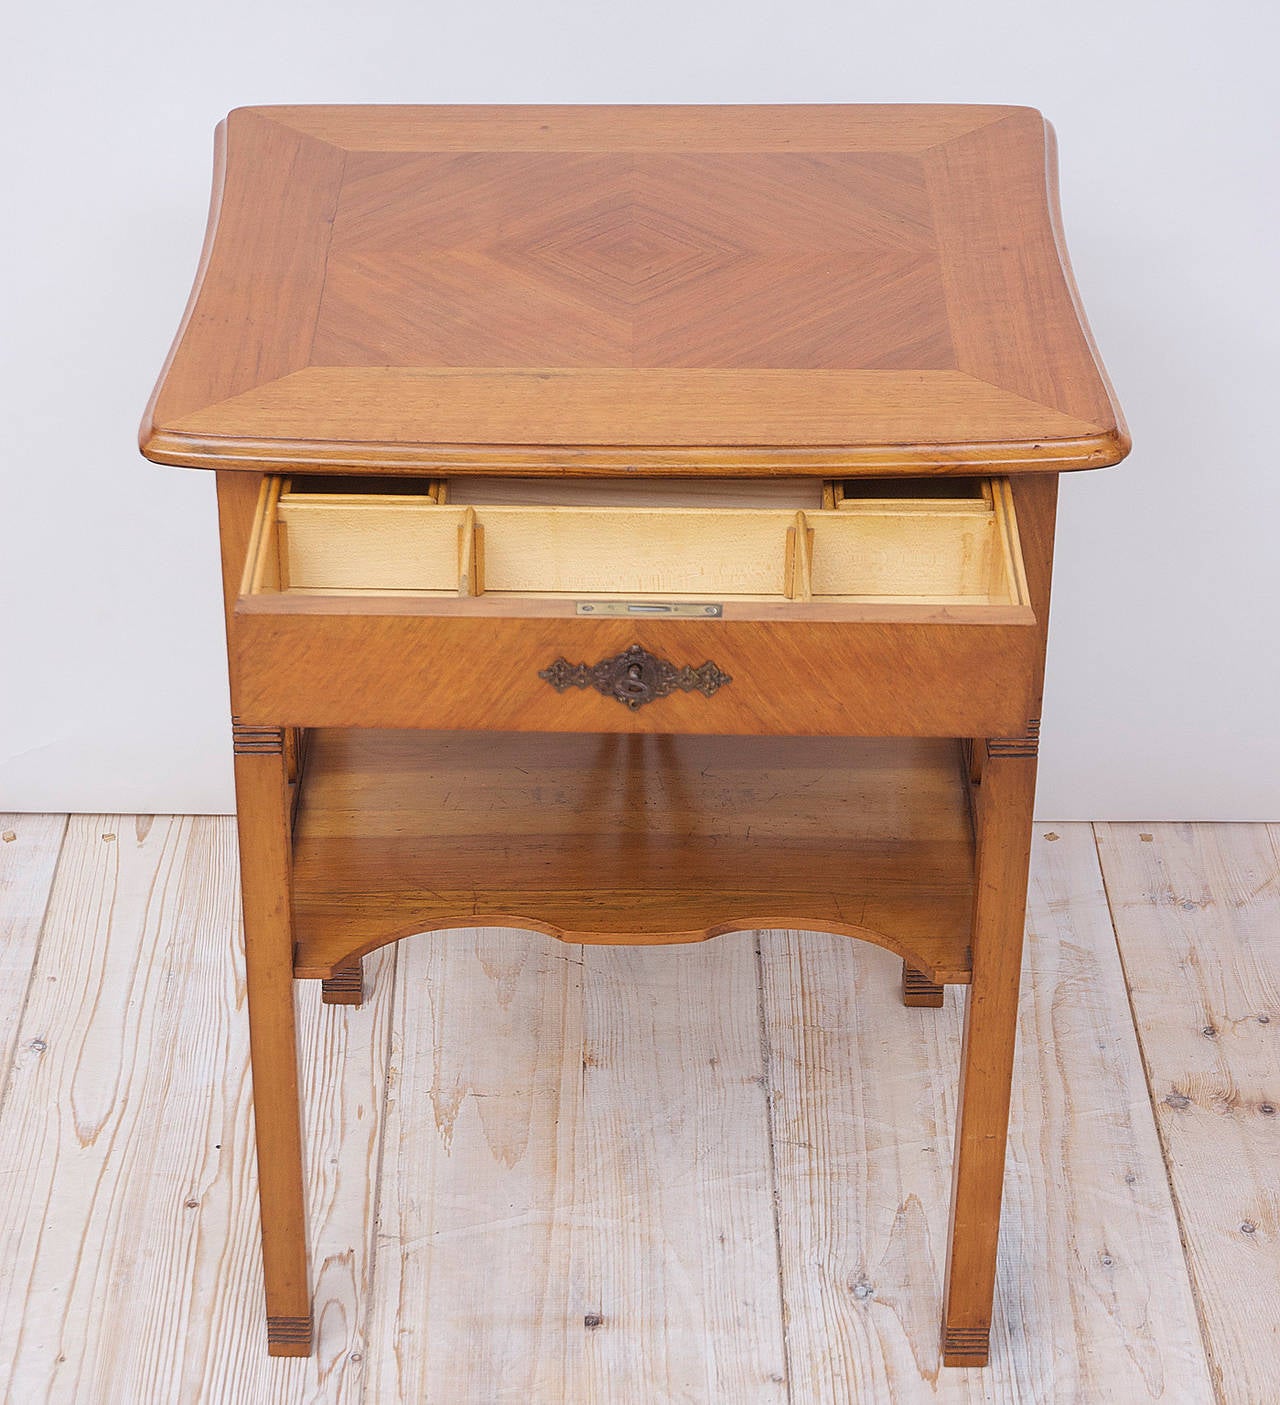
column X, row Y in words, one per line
column 635, row 677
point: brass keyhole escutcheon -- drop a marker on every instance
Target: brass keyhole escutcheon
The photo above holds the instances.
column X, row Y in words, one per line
column 635, row 677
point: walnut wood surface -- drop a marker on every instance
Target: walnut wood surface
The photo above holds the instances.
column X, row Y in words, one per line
column 600, row 289
column 262, row 811
column 791, row 678
column 631, row 839
column 1007, row 792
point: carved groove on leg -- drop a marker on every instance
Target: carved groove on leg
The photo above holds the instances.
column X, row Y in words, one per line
column 918, row 990
column 345, row 986
column 966, row 1346
column 257, row 741
column 289, row 1336
column 1028, row 744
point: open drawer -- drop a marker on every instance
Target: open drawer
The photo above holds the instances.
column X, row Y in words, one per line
column 662, row 547
column 866, row 607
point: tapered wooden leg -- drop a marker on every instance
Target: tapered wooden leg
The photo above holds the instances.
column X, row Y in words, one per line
column 262, row 800
column 345, row 986
column 1003, row 855
column 918, row 990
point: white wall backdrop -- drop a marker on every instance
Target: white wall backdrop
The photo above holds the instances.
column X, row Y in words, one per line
column 1165, row 651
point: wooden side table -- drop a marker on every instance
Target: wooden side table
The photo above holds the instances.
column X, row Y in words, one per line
column 637, row 525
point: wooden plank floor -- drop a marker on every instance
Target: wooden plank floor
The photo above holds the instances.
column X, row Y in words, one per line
column 566, row 1175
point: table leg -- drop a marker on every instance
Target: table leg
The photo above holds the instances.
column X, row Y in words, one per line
column 918, row 990
column 262, row 801
column 990, row 1026
column 345, row 986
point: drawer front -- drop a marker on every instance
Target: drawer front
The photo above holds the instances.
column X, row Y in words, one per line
column 523, row 674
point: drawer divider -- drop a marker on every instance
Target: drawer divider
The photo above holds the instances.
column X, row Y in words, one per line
column 470, row 555
column 799, row 559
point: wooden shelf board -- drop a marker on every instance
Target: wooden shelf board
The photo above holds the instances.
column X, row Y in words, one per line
column 631, row 838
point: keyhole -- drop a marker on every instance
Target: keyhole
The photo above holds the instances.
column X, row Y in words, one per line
column 631, row 687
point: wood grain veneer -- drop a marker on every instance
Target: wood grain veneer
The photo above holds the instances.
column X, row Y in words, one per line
column 596, row 290
column 600, row 838
column 419, row 669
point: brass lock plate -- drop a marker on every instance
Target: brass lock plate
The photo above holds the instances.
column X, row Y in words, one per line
column 666, row 608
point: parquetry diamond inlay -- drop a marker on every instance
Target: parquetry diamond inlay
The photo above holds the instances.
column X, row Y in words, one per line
column 734, row 290
column 466, row 261
column 632, row 254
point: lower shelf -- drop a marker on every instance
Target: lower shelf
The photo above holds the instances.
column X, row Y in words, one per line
column 640, row 838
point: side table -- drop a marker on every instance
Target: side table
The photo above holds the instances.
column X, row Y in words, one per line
column 637, row 525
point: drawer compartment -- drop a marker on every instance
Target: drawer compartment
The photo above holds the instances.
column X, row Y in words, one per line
column 820, row 608
column 941, row 542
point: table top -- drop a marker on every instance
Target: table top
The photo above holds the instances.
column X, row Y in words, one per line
column 744, row 290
